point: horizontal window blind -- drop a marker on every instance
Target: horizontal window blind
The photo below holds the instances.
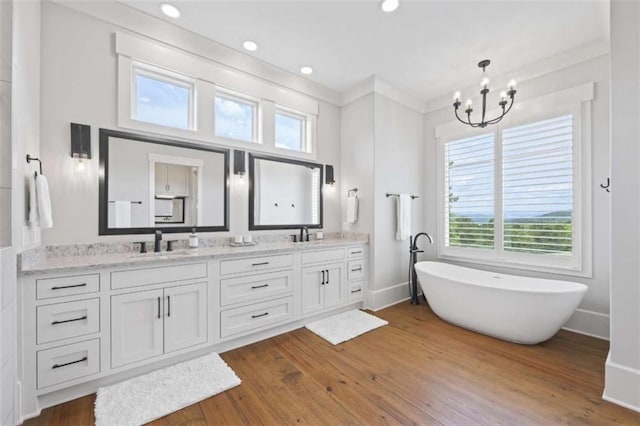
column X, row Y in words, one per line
column 537, row 185
column 469, row 192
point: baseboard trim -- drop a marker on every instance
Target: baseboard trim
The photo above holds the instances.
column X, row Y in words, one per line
column 621, row 385
column 388, row 296
column 589, row 323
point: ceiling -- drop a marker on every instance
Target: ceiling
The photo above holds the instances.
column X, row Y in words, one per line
column 425, row 48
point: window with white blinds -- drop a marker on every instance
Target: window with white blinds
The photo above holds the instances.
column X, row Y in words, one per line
column 469, row 192
column 510, row 195
column 537, row 187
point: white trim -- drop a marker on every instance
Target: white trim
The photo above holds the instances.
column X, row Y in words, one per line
column 388, row 296
column 569, row 58
column 589, row 323
column 374, row 84
column 621, row 385
column 240, row 98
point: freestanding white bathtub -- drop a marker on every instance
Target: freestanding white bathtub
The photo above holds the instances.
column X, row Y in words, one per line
column 509, row 307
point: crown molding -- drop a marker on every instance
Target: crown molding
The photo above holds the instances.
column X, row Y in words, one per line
column 374, row 84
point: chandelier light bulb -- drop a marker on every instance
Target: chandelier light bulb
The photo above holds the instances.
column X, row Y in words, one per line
column 484, row 83
column 512, row 84
column 503, row 96
column 456, row 97
column 469, row 103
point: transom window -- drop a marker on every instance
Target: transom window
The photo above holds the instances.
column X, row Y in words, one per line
column 291, row 131
column 236, row 117
column 162, row 97
column 510, row 195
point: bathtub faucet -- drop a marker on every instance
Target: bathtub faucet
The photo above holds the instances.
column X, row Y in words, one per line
column 413, row 255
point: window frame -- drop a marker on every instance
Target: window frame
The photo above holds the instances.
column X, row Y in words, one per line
column 168, row 77
column 529, row 112
column 305, row 131
column 235, row 96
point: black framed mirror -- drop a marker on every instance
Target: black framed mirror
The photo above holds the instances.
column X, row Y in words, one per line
column 284, row 193
column 148, row 183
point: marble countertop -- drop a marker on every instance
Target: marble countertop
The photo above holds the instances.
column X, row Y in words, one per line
column 74, row 262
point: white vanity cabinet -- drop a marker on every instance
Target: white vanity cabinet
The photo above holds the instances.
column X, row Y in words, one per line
column 90, row 327
column 150, row 323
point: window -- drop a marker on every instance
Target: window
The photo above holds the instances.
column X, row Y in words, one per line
column 510, row 195
column 235, row 118
column 163, row 98
column 291, row 131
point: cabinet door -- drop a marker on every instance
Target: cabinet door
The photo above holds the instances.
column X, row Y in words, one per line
column 185, row 321
column 162, row 184
column 312, row 289
column 136, row 327
column 177, row 179
column 334, row 287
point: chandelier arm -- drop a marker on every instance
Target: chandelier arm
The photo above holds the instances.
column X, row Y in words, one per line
column 458, row 117
column 504, row 112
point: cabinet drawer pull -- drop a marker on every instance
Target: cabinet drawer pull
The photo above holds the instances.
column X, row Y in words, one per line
column 168, row 306
column 323, row 277
column 68, row 363
column 260, row 264
column 327, row 277
column 356, row 291
column 260, row 315
column 356, row 252
column 357, row 269
column 69, row 320
column 259, row 286
column 62, row 287
column 158, row 307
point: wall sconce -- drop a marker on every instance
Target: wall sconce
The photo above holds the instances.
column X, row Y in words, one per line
column 80, row 143
column 328, row 176
column 239, row 164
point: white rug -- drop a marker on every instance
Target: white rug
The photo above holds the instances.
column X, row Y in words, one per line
column 345, row 326
column 154, row 395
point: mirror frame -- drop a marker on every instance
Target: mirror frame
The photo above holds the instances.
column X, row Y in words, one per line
column 252, row 225
column 103, row 185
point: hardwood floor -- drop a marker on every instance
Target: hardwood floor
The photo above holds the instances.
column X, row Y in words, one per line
column 417, row 370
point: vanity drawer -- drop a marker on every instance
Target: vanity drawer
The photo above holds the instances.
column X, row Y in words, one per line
column 356, row 291
column 255, row 264
column 64, row 320
column 47, row 288
column 66, row 363
column 355, row 269
column 159, row 275
column 322, row 256
column 255, row 287
column 355, row 252
column 254, row 317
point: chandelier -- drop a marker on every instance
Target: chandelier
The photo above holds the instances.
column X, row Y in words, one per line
column 504, row 100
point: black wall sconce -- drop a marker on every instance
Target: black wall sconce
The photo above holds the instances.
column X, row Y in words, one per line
column 80, row 141
column 328, row 173
column 239, row 163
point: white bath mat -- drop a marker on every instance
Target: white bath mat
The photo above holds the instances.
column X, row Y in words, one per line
column 154, row 395
column 345, row 326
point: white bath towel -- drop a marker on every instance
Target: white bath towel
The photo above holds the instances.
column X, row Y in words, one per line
column 33, row 203
column 403, row 210
column 123, row 214
column 352, row 209
column 44, row 202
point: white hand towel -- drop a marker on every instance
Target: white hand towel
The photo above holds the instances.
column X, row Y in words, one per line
column 33, row 202
column 44, row 202
column 403, row 210
column 123, row 214
column 352, row 209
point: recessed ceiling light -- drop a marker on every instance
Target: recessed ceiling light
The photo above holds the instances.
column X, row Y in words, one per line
column 250, row 45
column 170, row 10
column 306, row 70
column 389, row 5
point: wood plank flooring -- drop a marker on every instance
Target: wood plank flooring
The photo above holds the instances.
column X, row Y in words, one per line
column 417, row 370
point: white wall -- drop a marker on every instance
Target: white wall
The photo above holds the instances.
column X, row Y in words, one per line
column 622, row 374
column 79, row 85
column 592, row 316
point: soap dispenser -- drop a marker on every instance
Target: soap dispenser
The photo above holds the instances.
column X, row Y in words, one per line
column 193, row 239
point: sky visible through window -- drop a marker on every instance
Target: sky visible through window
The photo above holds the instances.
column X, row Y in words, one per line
column 161, row 102
column 234, row 119
column 289, row 132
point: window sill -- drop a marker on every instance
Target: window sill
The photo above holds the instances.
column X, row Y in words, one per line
column 554, row 270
